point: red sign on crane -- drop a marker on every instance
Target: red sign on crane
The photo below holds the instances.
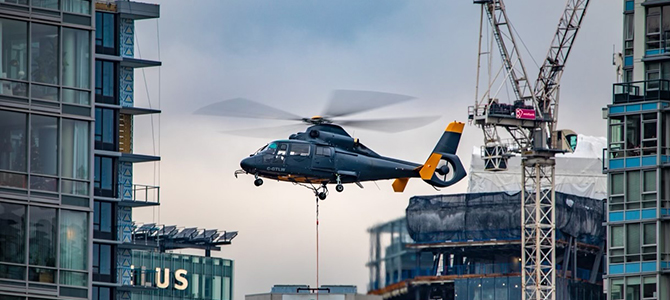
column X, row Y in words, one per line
column 525, row 114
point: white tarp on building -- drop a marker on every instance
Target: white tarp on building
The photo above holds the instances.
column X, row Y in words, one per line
column 578, row 173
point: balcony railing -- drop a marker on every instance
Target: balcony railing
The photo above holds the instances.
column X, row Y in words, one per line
column 616, row 158
column 637, row 91
column 141, row 195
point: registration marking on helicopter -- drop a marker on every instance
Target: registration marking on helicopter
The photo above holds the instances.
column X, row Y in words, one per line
column 276, row 169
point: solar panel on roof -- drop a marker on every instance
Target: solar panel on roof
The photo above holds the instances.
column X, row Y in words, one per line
column 185, row 234
column 146, row 227
column 229, row 235
column 209, row 233
column 167, row 230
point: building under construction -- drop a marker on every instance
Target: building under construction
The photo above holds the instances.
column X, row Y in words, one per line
column 468, row 246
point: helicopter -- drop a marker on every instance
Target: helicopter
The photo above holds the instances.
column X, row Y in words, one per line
column 324, row 153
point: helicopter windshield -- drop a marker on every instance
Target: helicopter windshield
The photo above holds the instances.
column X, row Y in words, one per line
column 267, row 149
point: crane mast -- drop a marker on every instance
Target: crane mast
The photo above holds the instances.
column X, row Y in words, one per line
column 530, row 120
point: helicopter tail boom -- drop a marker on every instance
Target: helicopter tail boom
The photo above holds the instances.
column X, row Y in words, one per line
column 443, row 159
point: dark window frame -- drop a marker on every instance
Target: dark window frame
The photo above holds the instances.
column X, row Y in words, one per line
column 102, row 19
column 101, row 126
column 95, row 266
column 100, row 67
column 98, row 190
column 98, row 210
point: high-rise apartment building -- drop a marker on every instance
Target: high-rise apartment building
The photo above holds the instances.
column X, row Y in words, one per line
column 638, row 153
column 66, row 112
column 46, row 146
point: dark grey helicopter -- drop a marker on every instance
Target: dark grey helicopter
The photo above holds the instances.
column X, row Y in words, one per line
column 325, row 153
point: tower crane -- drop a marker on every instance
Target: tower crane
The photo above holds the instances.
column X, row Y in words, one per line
column 530, row 120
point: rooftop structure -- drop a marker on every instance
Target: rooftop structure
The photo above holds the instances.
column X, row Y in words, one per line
column 304, row 292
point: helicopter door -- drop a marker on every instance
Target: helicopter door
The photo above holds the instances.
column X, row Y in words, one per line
column 323, row 158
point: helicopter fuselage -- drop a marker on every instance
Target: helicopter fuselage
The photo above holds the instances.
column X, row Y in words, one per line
column 325, row 153
column 305, row 162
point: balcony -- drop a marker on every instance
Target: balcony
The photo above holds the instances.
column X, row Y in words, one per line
column 141, row 196
column 137, row 10
column 640, row 91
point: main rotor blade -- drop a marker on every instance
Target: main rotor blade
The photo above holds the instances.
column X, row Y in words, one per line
column 276, row 132
column 347, row 102
column 245, row 108
column 390, row 125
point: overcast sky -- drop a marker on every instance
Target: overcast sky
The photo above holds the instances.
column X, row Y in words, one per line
column 291, row 54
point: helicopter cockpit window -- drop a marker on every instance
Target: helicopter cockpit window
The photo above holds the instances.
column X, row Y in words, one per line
column 322, row 151
column 299, row 150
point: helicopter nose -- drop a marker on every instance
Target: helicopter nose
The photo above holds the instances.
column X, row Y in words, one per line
column 247, row 164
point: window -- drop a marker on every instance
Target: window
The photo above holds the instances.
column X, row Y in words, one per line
column 42, row 240
column 629, row 33
column 649, row 135
column 77, row 6
column 323, row 151
column 656, row 71
column 103, row 217
column 633, row 190
column 12, row 233
column 102, row 293
column 76, row 58
column 633, row 288
column 73, row 240
column 616, row 137
column 13, row 140
column 50, row 4
column 649, row 287
column 44, row 152
column 628, row 76
column 299, row 149
column 649, row 189
column 14, row 61
column 617, row 289
column 633, row 135
column 75, row 157
column 653, row 28
column 105, row 33
column 102, row 262
column 105, row 129
column 105, row 82
column 104, row 177
column 649, row 242
column 44, row 53
column 632, row 242
column 616, row 244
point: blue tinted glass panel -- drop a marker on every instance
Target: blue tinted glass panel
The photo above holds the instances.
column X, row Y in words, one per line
column 106, row 173
column 105, row 259
column 108, row 126
column 105, row 216
column 108, row 30
column 107, row 78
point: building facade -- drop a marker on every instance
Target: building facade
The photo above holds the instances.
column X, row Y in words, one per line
column 638, row 219
column 115, row 189
column 46, row 146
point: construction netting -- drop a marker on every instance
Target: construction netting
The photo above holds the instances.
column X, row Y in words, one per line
column 486, row 216
column 579, row 173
